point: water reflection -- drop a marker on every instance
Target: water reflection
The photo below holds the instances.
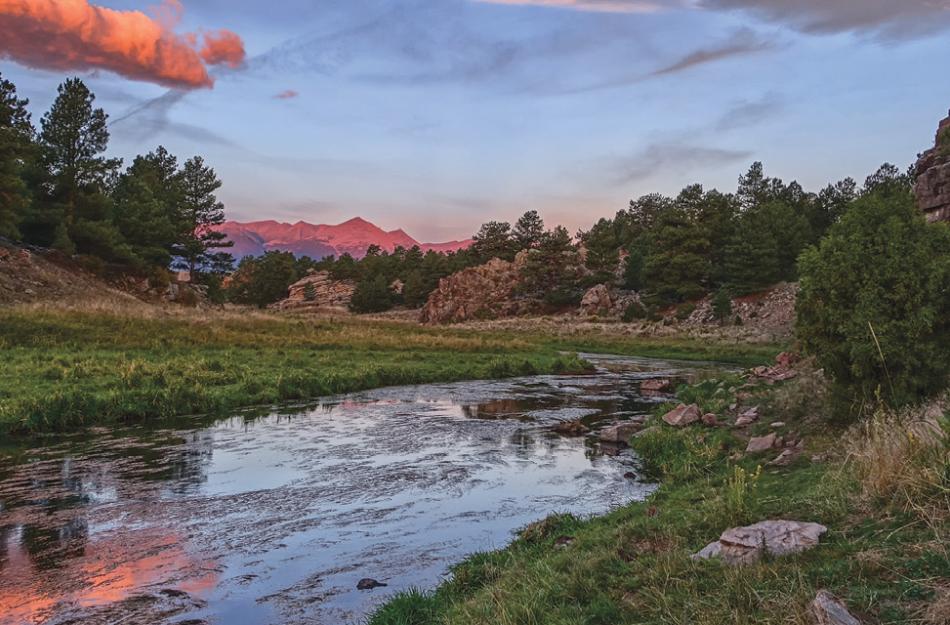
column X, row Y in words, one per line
column 272, row 517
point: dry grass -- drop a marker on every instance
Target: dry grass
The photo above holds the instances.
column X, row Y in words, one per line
column 903, row 458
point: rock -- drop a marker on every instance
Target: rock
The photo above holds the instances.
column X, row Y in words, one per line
column 563, row 542
column 748, row 417
column 619, row 432
column 777, row 425
column 932, row 188
column 482, row 292
column 596, row 301
column 710, row 420
column 829, row 610
column 630, row 475
column 571, row 428
column 656, row 386
column 683, row 415
column 317, row 290
column 743, row 545
column 762, row 443
column 785, row 458
column 368, row 583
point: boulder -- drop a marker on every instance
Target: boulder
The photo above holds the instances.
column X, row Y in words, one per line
column 368, row 583
column 317, row 290
column 683, row 415
column 743, row 545
column 761, row 443
column 619, row 433
column 596, row 301
column 829, row 610
column 483, row 292
column 710, row 420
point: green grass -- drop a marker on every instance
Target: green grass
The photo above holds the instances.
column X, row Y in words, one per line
column 888, row 561
column 70, row 368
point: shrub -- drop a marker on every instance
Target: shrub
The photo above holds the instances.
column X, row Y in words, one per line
column 722, row 305
column 634, row 311
column 873, row 302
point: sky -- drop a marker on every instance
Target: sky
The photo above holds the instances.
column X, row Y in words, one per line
column 437, row 115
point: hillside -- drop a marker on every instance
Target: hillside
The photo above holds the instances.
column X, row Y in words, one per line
column 317, row 241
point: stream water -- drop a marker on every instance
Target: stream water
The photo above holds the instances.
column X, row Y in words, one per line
column 273, row 517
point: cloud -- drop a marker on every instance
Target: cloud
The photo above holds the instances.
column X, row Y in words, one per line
column 881, row 19
column 750, row 112
column 742, row 43
column 289, row 94
column 606, row 6
column 73, row 35
column 675, row 155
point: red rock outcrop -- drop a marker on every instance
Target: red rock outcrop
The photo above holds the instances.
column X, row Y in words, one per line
column 483, row 292
column 933, row 177
column 317, row 290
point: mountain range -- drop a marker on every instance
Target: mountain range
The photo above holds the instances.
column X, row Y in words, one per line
column 318, row 241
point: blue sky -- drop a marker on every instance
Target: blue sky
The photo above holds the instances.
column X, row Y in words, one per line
column 438, row 115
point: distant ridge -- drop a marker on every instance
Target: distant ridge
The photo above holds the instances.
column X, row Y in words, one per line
column 318, row 241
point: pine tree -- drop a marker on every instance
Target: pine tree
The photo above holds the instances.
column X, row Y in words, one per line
column 372, row 295
column 201, row 212
column 603, row 251
column 494, row 240
column 16, row 147
column 751, row 256
column 677, row 267
column 529, row 230
column 75, row 211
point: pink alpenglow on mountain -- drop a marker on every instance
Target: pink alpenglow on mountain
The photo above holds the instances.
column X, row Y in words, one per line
column 319, row 241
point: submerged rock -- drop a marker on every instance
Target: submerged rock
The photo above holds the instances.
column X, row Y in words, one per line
column 571, row 428
column 620, row 432
column 743, row 545
column 368, row 583
column 656, row 386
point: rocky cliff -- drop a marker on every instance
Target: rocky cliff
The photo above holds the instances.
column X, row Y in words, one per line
column 933, row 177
column 317, row 290
column 482, row 292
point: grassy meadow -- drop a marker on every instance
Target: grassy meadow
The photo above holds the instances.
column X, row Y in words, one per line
column 64, row 368
column 883, row 490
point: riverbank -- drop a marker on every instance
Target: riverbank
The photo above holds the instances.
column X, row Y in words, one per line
column 882, row 491
column 66, row 368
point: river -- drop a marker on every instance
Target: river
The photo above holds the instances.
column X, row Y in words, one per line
column 273, row 516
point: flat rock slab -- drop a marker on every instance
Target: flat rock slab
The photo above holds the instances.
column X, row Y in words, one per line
column 761, row 443
column 656, row 386
column 683, row 415
column 744, row 545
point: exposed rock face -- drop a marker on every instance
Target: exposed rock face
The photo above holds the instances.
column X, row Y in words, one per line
column 743, row 545
column 317, row 290
column 596, row 301
column 770, row 310
column 933, row 177
column 482, row 292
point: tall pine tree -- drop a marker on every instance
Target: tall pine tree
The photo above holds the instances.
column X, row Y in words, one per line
column 199, row 250
column 16, row 143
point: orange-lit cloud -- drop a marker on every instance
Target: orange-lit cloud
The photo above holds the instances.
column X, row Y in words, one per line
column 75, row 35
column 289, row 94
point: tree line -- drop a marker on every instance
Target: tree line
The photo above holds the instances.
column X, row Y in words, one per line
column 59, row 190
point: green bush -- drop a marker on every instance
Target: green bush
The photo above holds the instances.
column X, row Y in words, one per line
column 722, row 305
column 874, row 301
column 634, row 311
column 683, row 311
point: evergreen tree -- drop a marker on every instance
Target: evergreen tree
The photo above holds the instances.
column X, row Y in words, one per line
column 143, row 223
column 201, row 212
column 603, row 251
column 16, row 147
column 552, row 271
column 751, row 256
column 264, row 280
column 494, row 240
column 75, row 212
column 677, row 267
column 529, row 230
column 372, row 295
